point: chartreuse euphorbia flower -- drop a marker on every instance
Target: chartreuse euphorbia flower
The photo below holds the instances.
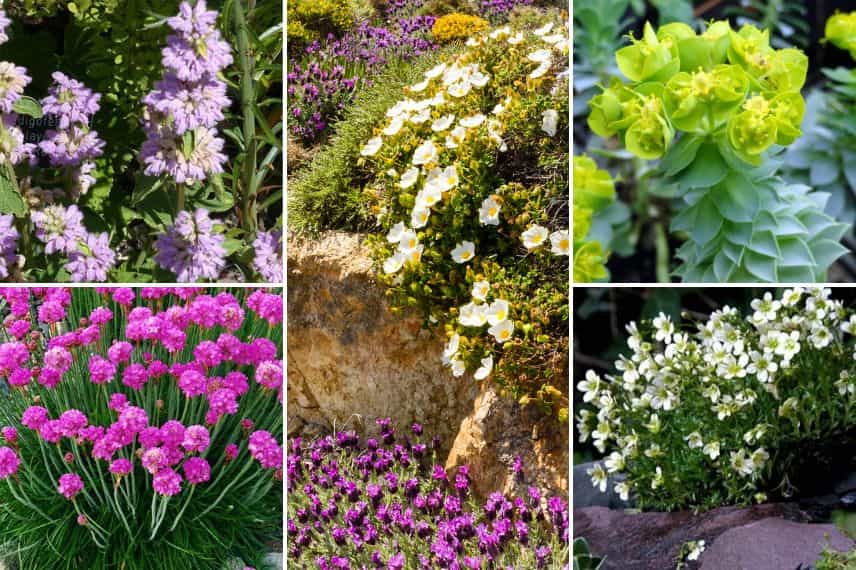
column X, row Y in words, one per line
column 710, row 105
column 841, row 31
column 594, row 190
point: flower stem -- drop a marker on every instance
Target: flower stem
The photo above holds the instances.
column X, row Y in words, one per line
column 248, row 187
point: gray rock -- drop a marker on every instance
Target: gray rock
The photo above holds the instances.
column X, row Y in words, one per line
column 587, row 495
column 846, row 485
column 772, row 544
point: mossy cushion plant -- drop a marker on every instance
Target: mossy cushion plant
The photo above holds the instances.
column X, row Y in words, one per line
column 731, row 410
column 140, row 429
column 468, row 177
column 713, row 107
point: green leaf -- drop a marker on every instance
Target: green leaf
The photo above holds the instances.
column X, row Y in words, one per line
column 11, row 201
column 824, row 170
column 29, row 107
column 681, row 154
column 826, row 251
column 707, row 169
column 795, row 252
column 761, row 266
column 736, row 198
column 764, row 243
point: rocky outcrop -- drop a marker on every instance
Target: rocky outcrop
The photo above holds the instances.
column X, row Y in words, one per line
column 350, row 360
column 762, row 537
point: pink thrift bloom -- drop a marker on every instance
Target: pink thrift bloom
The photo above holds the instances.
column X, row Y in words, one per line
column 51, row 431
column 50, row 378
column 10, row 434
column 9, row 462
column 121, row 467
column 100, row 316
column 265, row 449
column 90, row 434
column 172, row 433
column 71, row 422
column 167, row 483
column 51, row 312
column 150, row 437
column 154, row 460
column 204, row 311
column 135, row 376
column 269, row 374
column 89, row 335
column 231, row 452
column 232, row 316
column 237, row 382
column 13, row 355
column 118, row 402
column 120, row 352
column 123, row 296
column 197, row 470
column 19, row 328
column 35, row 417
column 81, row 520
column 70, row 485
column 157, row 369
column 193, row 383
column 196, row 439
column 20, row 377
column 133, row 419
column 59, row 358
column 208, row 353
column 262, row 349
column 101, row 370
column 223, row 401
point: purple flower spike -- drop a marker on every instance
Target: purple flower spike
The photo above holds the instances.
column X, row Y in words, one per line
column 190, row 249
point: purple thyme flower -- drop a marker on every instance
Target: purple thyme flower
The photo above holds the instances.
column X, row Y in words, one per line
column 70, row 101
column 92, row 259
column 8, row 244
column 196, row 49
column 190, row 249
column 268, row 261
column 13, row 79
column 60, row 228
column 70, row 147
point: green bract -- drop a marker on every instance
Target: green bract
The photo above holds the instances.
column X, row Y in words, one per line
column 841, row 31
column 594, row 190
column 714, row 106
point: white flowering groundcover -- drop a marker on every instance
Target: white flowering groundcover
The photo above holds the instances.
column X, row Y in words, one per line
column 722, row 412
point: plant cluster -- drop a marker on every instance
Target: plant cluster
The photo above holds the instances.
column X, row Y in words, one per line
column 468, row 178
column 385, row 503
column 726, row 411
column 313, row 20
column 594, row 190
column 75, row 189
column 457, row 27
column 712, row 106
column 142, row 429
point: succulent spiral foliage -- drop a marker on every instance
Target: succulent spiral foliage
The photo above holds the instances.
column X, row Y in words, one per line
column 594, row 190
column 713, row 105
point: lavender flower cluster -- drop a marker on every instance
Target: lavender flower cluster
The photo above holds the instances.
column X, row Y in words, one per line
column 191, row 249
column 497, row 11
column 326, row 79
column 74, row 145
column 380, row 504
column 183, row 110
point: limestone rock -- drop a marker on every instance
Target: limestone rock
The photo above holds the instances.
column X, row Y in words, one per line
column 350, row 360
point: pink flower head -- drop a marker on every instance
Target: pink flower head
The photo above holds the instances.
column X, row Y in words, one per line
column 20, row 377
column 89, row 335
column 262, row 349
column 172, row 433
column 9, row 462
column 35, row 417
column 265, row 449
column 193, row 383
column 118, row 402
column 123, row 296
column 10, row 434
column 167, row 483
column 59, row 358
column 51, row 312
column 208, row 353
column 121, row 467
column 197, row 470
column 51, row 431
column 157, row 369
column 196, row 439
column 266, row 306
column 19, row 328
column 133, row 419
column 223, row 401
column 13, row 355
column 135, row 376
column 269, row 374
column 91, row 434
column 237, row 382
column 50, row 377
column 100, row 316
column 154, row 460
column 204, row 311
column 101, row 370
column 71, row 422
column 231, row 316
column 231, row 452
column 150, row 437
column 82, row 520
column 70, row 485
column 120, row 352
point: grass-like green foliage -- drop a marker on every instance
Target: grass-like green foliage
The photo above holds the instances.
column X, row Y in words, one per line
column 492, row 146
column 234, row 515
column 740, row 408
column 583, row 558
column 832, row 560
column 327, row 193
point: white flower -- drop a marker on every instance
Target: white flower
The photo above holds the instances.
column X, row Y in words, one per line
column 451, row 348
column 554, row 39
column 665, row 328
column 503, row 331
column 615, row 462
column 489, row 212
column 472, row 121
column 849, row 326
column 503, row 31
column 459, row 88
column 497, row 312
column 712, row 450
column 540, row 70
column 371, row 147
column 442, row 123
column 420, row 117
column 765, row 309
column 414, row 256
column 458, row 368
column 741, row 464
column 535, row 236
column 789, row 346
column 820, row 336
column 449, row 178
column 762, row 366
column 394, row 263
column 516, row 38
column 478, row 79
column 464, row 252
column 472, row 315
column 543, row 30
column 409, row 178
column 540, row 56
column 759, row 458
column 417, row 87
column 426, row 153
column 560, row 242
column 394, row 126
column 696, row 548
column 598, row 477
column 395, row 233
column 480, row 290
column 694, row 440
column 623, row 490
column 658, row 479
column 792, row 296
column 435, row 71
column 408, row 242
column 429, row 195
column 550, row 121
column 485, row 369
column 419, row 217
column 590, row 387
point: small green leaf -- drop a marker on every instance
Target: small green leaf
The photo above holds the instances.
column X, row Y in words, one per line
column 707, row 169
column 11, row 201
column 29, row 107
